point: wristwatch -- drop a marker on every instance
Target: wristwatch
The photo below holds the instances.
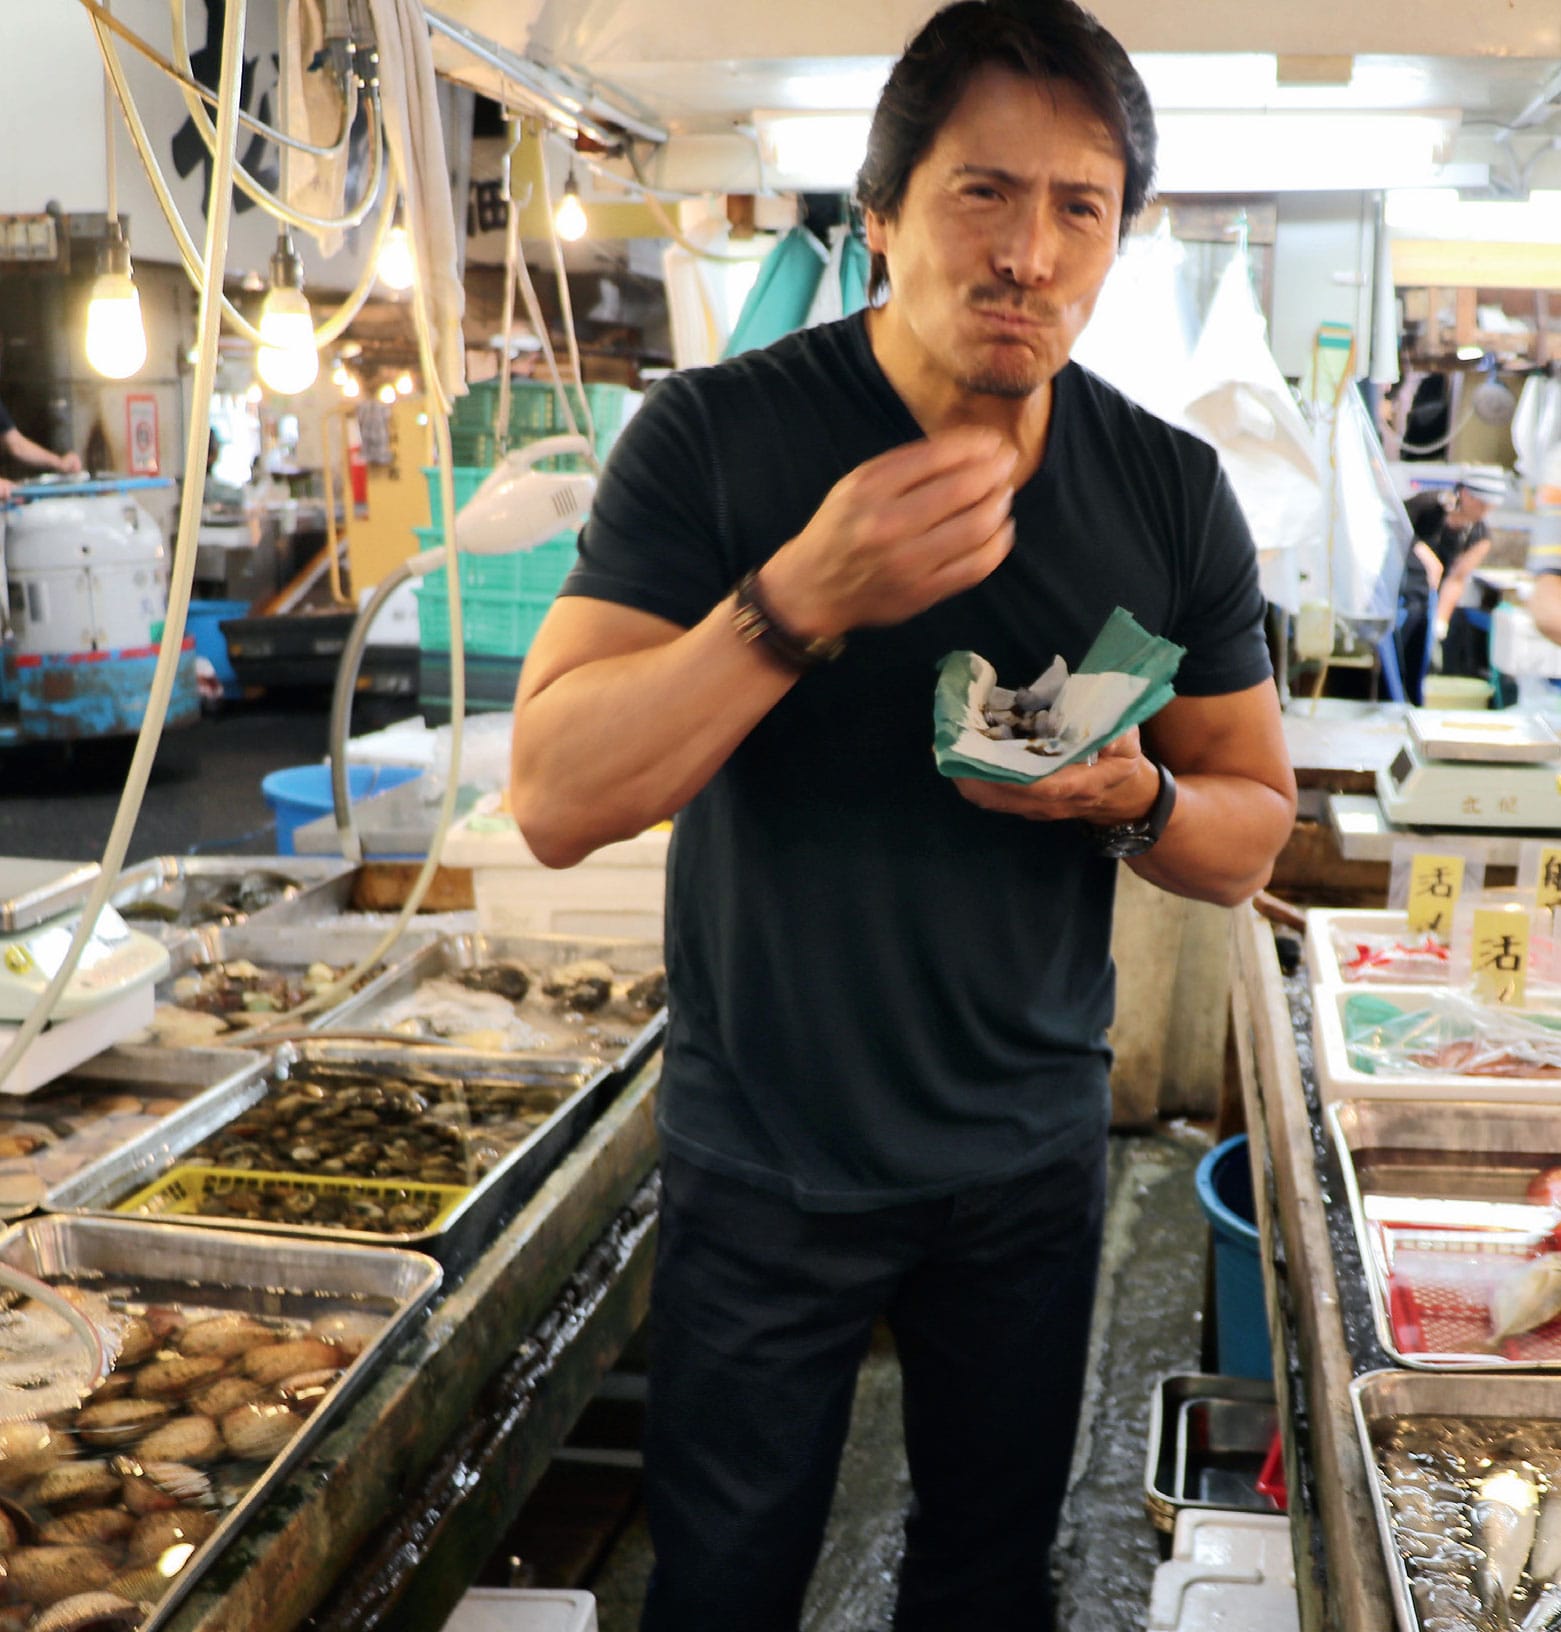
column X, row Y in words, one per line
column 1125, row 839
column 754, row 621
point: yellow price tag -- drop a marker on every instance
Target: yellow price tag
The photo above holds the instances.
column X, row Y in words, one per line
column 1434, row 883
column 1500, row 955
column 1547, row 889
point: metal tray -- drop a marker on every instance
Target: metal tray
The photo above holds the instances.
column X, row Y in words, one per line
column 1197, row 1420
column 1380, row 1398
column 172, row 891
column 633, row 1039
column 259, row 1274
column 281, row 947
column 1436, row 1194
column 328, row 906
column 93, row 1110
column 510, row 1182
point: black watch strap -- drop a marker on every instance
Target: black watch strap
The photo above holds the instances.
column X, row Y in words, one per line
column 1125, row 839
column 753, row 621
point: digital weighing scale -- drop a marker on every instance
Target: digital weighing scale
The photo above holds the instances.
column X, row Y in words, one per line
column 110, row 994
column 1474, row 768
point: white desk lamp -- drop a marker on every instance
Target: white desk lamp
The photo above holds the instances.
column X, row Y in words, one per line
column 516, row 508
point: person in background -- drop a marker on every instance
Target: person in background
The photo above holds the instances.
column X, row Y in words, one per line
column 1450, row 542
column 885, row 1087
column 28, row 452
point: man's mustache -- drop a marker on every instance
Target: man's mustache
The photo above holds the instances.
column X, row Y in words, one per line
column 998, row 299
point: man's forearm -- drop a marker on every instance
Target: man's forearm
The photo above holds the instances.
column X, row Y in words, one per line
column 32, row 453
column 619, row 743
column 1221, row 841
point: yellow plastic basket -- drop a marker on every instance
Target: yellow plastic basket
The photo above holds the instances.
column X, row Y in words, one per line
column 184, row 1190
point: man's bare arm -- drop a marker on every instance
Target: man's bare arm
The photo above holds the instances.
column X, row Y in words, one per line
column 1544, row 605
column 34, row 453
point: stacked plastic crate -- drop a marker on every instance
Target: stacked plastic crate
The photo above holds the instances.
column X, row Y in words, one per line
column 505, row 597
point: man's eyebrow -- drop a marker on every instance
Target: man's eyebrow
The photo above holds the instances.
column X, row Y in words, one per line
column 1010, row 178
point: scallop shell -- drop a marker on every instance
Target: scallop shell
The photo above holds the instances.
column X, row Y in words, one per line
column 18, row 1528
column 271, row 1365
column 81, row 1483
column 168, row 1379
column 191, row 1439
column 28, row 1449
column 44, row 1575
column 88, row 1612
column 118, row 1422
column 157, row 1532
column 137, row 1342
column 226, row 1394
column 227, row 1335
column 113, row 1387
column 151, row 1487
column 258, row 1429
column 91, row 1526
column 351, row 1330
column 305, row 1391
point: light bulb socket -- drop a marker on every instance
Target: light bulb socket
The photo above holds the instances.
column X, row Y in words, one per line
column 287, row 271
column 114, row 251
column 571, row 186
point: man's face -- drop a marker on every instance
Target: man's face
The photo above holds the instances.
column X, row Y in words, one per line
column 1004, row 237
column 1468, row 508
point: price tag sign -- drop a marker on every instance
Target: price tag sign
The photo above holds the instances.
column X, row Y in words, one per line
column 1547, row 887
column 1434, row 883
column 1500, row 955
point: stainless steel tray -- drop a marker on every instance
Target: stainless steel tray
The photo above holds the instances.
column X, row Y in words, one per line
column 625, row 1041
column 328, row 905
column 461, row 1233
column 1236, row 1404
column 1436, row 1193
column 100, row 1106
column 285, row 948
column 1380, row 1398
column 267, row 1275
column 168, row 895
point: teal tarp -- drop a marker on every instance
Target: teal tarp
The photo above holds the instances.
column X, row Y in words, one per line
column 788, row 291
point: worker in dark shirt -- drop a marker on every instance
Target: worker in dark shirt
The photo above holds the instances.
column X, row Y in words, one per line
column 1450, row 542
column 28, row 452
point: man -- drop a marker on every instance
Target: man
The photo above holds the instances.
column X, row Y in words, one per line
column 28, row 452
column 885, row 1085
column 1450, row 542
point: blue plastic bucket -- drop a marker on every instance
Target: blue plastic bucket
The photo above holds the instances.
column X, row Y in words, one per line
column 302, row 792
column 203, row 624
column 1240, row 1314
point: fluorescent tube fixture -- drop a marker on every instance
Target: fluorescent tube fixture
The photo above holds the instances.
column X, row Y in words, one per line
column 817, row 151
column 1439, row 213
column 1290, row 152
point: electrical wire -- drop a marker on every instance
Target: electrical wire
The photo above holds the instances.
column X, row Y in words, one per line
column 566, row 306
column 209, row 328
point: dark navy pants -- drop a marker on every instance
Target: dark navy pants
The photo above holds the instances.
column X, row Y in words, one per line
column 760, row 1317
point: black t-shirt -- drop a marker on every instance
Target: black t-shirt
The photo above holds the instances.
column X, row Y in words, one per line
column 1428, row 517
column 879, row 992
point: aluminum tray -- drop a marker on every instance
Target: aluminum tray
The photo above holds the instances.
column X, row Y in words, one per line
column 181, row 885
column 637, row 1039
column 1437, row 1196
column 328, row 906
column 261, row 1274
column 510, row 1182
column 281, row 947
column 92, row 1110
column 1234, row 1405
column 1380, row 1398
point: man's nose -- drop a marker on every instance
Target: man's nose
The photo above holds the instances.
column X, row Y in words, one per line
column 1027, row 254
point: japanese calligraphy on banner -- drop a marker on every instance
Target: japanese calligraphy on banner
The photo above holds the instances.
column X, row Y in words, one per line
column 1434, row 883
column 1500, row 955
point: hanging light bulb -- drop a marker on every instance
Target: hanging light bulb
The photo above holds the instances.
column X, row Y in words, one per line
column 254, row 394
column 286, row 359
column 569, row 220
column 350, row 387
column 394, row 267
column 404, row 384
column 116, row 336
column 387, row 393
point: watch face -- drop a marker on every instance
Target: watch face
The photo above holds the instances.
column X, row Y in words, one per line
column 1131, row 839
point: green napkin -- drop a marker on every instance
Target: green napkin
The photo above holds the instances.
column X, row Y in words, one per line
column 1125, row 677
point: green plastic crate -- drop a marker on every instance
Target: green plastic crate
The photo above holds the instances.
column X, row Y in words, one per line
column 495, row 625
column 466, row 479
column 539, row 570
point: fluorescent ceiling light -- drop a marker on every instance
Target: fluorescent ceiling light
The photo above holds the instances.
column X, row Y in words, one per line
column 1291, row 152
column 1203, row 79
column 1439, row 213
column 814, row 152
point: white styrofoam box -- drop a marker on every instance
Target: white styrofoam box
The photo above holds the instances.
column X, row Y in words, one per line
column 1517, row 647
column 1323, row 924
column 617, row 893
column 1237, row 1542
column 1338, row 1079
column 395, row 624
column 503, row 1609
column 1327, row 926
column 1189, row 1597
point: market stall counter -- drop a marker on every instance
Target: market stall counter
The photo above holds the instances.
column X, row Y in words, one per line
column 391, row 1518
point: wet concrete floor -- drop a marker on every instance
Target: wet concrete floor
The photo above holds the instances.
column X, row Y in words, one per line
column 1147, row 1321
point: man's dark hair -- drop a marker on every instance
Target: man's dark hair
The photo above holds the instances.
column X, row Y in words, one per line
column 1044, row 40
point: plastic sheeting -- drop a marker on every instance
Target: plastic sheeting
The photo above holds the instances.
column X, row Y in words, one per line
column 1368, row 530
column 802, row 283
